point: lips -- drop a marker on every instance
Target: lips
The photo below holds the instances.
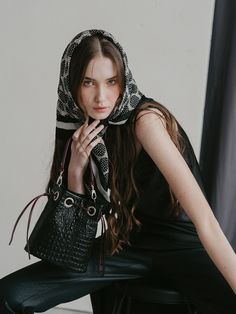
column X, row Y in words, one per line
column 100, row 108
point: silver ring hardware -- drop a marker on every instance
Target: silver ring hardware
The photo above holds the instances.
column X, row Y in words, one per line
column 93, row 194
column 69, row 202
column 91, row 211
column 59, row 180
column 56, row 195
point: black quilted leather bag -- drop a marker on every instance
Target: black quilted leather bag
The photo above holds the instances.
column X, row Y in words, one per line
column 66, row 229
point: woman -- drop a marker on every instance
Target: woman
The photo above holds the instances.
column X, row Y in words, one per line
column 160, row 222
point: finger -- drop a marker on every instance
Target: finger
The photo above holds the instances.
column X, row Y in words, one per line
column 82, row 150
column 93, row 144
column 88, row 130
column 83, row 127
column 91, row 136
column 80, row 147
column 76, row 134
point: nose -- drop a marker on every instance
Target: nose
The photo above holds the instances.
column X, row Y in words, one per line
column 100, row 94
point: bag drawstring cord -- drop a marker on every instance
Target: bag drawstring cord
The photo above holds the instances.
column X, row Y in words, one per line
column 59, row 182
column 33, row 202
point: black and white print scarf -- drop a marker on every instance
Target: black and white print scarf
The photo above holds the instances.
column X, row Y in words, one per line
column 70, row 116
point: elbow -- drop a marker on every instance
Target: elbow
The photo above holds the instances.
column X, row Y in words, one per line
column 208, row 226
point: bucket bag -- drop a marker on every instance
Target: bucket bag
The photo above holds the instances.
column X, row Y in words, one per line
column 66, row 229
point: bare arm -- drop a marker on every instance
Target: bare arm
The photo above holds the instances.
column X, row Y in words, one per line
column 153, row 136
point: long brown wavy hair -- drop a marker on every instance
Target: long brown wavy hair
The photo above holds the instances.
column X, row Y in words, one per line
column 122, row 156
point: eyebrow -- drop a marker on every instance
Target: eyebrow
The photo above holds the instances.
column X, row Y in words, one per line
column 91, row 79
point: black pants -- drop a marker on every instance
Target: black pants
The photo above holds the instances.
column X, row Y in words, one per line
column 41, row 286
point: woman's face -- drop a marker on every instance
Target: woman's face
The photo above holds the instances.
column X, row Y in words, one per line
column 100, row 88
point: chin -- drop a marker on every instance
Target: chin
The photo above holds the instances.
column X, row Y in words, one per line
column 99, row 116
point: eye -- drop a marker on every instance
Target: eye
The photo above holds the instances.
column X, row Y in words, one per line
column 112, row 82
column 88, row 83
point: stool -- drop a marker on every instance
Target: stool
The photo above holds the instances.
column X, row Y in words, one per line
column 151, row 296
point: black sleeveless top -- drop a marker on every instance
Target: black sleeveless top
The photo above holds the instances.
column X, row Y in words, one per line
column 161, row 230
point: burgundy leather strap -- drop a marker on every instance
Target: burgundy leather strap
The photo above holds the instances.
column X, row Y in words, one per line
column 59, row 182
column 68, row 143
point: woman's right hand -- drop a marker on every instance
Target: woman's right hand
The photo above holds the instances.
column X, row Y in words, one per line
column 83, row 141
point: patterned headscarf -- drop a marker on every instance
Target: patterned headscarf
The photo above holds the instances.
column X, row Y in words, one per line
column 70, row 115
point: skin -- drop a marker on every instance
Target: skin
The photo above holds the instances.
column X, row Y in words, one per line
column 168, row 159
column 163, row 152
column 100, row 88
column 97, row 96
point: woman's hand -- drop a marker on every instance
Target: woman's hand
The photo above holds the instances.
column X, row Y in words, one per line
column 83, row 141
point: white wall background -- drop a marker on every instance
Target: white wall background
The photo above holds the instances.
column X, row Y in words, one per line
column 167, row 42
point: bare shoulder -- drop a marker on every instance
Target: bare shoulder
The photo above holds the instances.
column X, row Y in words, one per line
column 151, row 119
column 149, row 114
column 155, row 139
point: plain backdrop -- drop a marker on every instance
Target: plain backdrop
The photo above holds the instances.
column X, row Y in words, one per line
column 167, row 43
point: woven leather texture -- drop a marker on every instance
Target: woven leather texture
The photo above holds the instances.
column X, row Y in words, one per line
column 64, row 235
